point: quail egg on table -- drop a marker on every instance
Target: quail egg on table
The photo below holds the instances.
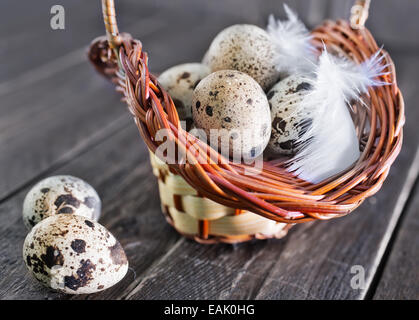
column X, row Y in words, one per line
column 233, row 106
column 180, row 81
column 245, row 48
column 74, row 255
column 59, row 195
column 289, row 121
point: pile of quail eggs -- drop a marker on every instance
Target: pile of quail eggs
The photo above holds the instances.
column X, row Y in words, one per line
column 66, row 249
column 236, row 93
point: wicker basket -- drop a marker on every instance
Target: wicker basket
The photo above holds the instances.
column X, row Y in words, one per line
column 210, row 199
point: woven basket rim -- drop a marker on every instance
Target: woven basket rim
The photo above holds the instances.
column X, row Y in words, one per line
column 275, row 193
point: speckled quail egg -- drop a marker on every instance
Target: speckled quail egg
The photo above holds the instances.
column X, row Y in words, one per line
column 246, row 48
column 233, row 110
column 289, row 120
column 57, row 195
column 180, row 81
column 74, row 255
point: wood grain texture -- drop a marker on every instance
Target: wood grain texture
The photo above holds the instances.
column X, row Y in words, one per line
column 400, row 279
column 39, row 129
column 28, row 31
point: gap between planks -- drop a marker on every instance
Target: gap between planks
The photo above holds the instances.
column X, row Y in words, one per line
column 137, row 285
column 393, row 228
column 400, row 276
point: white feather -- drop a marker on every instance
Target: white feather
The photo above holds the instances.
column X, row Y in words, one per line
column 331, row 145
column 292, row 39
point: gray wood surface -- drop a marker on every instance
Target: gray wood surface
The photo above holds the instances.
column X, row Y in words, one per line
column 401, row 273
column 57, row 116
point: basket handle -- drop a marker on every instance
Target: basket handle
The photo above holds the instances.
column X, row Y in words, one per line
column 359, row 14
column 109, row 17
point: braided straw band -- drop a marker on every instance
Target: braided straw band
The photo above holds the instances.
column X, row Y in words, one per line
column 205, row 220
column 274, row 193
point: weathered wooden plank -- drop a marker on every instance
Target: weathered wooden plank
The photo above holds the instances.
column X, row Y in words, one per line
column 46, row 123
column 194, row 271
column 119, row 169
column 400, row 279
column 55, row 110
column 314, row 261
column 28, row 40
column 46, row 104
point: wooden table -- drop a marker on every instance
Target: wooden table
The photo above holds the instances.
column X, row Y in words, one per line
column 57, row 116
